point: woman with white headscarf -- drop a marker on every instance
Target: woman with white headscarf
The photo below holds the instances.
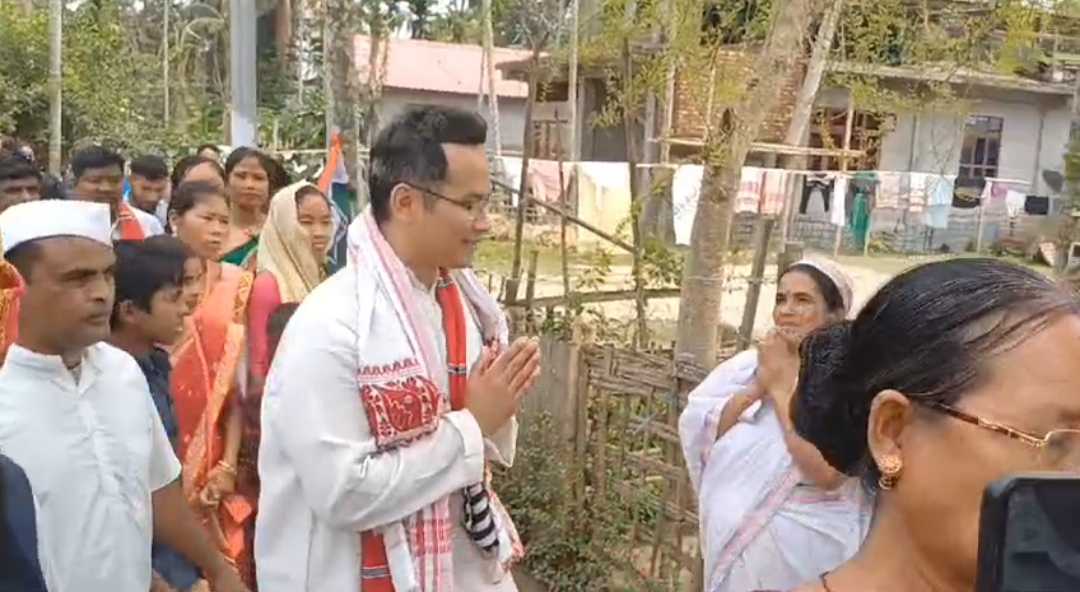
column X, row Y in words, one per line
column 773, row 513
column 291, row 260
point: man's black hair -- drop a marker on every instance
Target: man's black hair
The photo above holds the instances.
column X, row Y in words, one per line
column 144, row 268
column 409, row 149
column 15, row 166
column 95, row 157
column 151, row 167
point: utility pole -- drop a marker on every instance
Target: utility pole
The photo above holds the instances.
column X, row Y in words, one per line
column 572, row 86
column 56, row 47
column 165, row 61
column 242, row 77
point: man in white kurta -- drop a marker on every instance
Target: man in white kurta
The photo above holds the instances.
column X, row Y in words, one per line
column 88, row 437
column 324, row 477
column 311, row 508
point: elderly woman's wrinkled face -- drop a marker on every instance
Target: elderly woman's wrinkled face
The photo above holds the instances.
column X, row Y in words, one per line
column 800, row 307
column 1031, row 391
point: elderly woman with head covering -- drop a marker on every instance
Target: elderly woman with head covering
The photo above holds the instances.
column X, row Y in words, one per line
column 291, row 259
column 773, row 513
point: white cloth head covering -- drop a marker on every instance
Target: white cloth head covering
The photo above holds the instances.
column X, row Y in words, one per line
column 836, row 274
column 33, row 220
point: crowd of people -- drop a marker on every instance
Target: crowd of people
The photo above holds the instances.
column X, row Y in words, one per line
column 190, row 400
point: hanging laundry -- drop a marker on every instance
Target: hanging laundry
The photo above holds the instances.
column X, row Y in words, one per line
column 603, row 197
column 1014, row 203
column 888, row 191
column 685, row 191
column 917, row 186
column 864, row 183
column 939, row 190
column 939, row 198
column 837, row 215
column 546, row 173
column 774, row 191
column 817, row 189
column 751, row 183
column 860, row 218
column 1037, row 205
column 511, row 165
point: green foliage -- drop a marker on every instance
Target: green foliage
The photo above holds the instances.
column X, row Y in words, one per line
column 104, row 80
column 569, row 546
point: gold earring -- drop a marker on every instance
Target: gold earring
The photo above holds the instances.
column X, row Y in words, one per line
column 890, row 468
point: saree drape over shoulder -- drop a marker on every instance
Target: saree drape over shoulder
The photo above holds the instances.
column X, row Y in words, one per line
column 206, row 366
column 11, row 288
column 763, row 526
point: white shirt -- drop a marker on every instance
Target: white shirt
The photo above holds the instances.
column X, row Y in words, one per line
column 149, row 223
column 322, row 481
column 93, row 450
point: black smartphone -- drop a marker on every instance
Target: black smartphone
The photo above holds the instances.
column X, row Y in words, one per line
column 1029, row 534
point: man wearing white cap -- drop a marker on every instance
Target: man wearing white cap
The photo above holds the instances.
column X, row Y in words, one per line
column 76, row 414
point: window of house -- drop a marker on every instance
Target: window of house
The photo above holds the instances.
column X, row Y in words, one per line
column 827, row 131
column 982, row 146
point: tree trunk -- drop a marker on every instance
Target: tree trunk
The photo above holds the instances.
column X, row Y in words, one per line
column 489, row 66
column 283, row 30
column 56, row 44
column 815, row 69
column 726, row 150
column 804, row 104
column 339, row 18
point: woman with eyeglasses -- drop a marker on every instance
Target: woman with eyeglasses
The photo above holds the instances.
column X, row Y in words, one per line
column 773, row 513
column 954, row 374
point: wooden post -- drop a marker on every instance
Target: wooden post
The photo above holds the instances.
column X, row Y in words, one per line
column 530, row 291
column 762, row 233
column 848, row 123
column 979, row 226
column 792, row 252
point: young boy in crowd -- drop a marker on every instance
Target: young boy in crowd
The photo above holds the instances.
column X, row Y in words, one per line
column 149, row 312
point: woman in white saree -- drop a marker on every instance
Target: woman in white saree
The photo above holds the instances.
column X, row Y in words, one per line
column 773, row 512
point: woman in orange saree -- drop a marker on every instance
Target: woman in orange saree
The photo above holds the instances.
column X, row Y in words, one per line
column 207, row 363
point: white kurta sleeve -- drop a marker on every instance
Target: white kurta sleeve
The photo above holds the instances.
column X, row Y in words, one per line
column 313, row 403
column 164, row 466
column 501, row 447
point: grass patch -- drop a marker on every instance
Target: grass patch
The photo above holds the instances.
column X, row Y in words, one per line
column 497, row 256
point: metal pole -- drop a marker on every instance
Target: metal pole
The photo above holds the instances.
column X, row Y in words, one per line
column 242, row 65
column 56, row 47
column 165, row 49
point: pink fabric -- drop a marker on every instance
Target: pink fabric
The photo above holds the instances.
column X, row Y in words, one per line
column 265, row 298
column 773, row 192
column 748, row 198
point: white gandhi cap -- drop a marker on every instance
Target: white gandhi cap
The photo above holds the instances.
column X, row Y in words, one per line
column 33, row 220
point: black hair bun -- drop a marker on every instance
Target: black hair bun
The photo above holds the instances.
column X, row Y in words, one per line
column 826, row 412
